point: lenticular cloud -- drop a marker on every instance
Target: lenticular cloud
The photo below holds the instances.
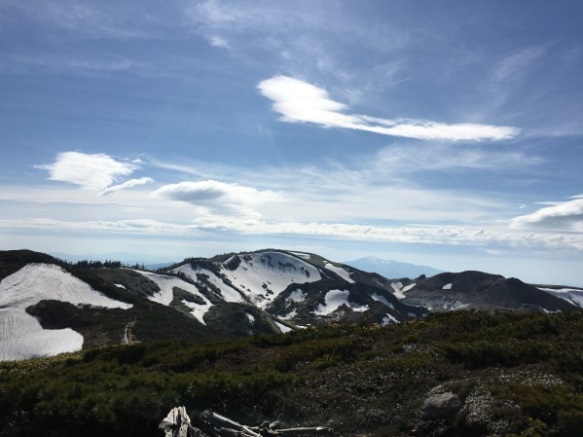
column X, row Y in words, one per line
column 300, row 102
column 91, row 172
column 210, row 192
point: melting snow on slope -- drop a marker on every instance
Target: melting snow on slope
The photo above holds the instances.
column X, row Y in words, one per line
column 447, row 286
column 388, row 319
column 166, row 293
column 296, row 296
column 290, row 315
column 571, row 295
column 382, row 299
column 21, row 335
column 266, row 274
column 400, row 290
column 283, row 328
column 228, row 292
column 302, row 255
column 334, row 299
column 250, row 318
column 343, row 273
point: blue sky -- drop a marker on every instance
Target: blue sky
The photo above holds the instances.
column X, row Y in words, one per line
column 441, row 133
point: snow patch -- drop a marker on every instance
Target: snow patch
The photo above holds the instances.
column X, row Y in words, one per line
column 229, row 293
column 343, row 273
column 446, row 305
column 408, row 287
column 296, row 296
column 382, row 299
column 290, row 315
column 398, row 290
column 334, row 299
column 21, row 335
column 389, row 319
column 447, row 286
column 283, row 328
column 166, row 293
column 571, row 295
column 302, row 255
column 120, row 286
column 251, row 318
column 266, row 274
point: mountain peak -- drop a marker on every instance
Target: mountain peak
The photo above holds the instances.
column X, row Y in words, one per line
column 391, row 268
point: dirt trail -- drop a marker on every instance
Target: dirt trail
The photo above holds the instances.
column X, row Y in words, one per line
column 128, row 334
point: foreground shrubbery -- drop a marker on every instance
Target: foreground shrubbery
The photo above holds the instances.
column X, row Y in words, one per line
column 356, row 378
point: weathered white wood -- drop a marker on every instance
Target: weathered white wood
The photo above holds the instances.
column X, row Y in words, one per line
column 178, row 424
column 318, row 430
column 220, row 421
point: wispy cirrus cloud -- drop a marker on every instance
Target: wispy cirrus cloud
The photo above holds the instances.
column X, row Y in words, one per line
column 128, row 184
column 218, row 41
column 560, row 216
column 301, row 102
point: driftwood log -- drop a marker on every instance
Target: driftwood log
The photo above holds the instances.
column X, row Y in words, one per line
column 178, row 424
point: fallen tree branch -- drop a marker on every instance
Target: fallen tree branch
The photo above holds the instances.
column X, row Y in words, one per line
column 178, row 424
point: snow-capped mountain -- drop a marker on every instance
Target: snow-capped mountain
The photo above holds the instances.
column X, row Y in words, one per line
column 295, row 288
column 48, row 306
column 392, row 269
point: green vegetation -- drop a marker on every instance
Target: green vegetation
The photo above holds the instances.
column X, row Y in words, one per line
column 361, row 379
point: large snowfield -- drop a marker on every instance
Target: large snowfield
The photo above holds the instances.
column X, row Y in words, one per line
column 27, row 287
column 259, row 277
column 264, row 275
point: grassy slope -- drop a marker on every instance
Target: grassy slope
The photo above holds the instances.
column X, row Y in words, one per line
column 360, row 379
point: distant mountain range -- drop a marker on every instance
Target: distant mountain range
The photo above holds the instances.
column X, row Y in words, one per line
column 48, row 306
column 392, row 269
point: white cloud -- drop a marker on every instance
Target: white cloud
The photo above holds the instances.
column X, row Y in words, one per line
column 300, row 102
column 133, row 226
column 470, row 236
column 128, row 184
column 218, row 41
column 218, row 197
column 563, row 216
column 91, row 172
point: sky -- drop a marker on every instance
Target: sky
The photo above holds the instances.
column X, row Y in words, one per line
column 447, row 133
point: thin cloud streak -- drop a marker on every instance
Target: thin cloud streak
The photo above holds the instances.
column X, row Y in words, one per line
column 128, row 184
column 300, row 102
column 431, row 235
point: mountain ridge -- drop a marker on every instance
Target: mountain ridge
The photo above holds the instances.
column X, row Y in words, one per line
column 247, row 293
